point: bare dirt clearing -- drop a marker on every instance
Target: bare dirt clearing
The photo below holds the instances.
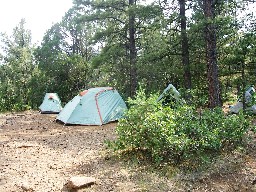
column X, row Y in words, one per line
column 38, row 154
column 42, row 154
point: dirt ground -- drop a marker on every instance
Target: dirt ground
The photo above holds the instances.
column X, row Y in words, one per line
column 38, row 154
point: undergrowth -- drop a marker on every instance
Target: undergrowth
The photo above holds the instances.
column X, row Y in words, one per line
column 177, row 135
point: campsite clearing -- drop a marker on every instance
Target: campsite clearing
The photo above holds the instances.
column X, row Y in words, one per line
column 38, row 154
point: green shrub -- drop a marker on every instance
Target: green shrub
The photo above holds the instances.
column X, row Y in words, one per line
column 177, row 134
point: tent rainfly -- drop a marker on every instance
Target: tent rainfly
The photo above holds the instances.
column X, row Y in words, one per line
column 95, row 106
column 169, row 94
column 51, row 103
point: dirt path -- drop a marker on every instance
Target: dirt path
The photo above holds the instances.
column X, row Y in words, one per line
column 40, row 154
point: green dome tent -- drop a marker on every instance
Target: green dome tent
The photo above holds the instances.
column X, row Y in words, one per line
column 51, row 103
column 95, row 106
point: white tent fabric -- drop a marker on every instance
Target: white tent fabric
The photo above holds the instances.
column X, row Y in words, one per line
column 248, row 98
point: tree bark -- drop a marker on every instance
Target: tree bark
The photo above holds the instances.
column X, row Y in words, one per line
column 184, row 44
column 132, row 50
column 211, row 55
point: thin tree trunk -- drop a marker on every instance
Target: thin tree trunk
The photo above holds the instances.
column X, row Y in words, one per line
column 185, row 51
column 132, row 50
column 211, row 55
column 243, row 83
column 184, row 40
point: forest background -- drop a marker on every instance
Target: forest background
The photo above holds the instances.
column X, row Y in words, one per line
column 206, row 49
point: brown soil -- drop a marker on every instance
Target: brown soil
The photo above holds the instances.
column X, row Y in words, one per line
column 38, row 154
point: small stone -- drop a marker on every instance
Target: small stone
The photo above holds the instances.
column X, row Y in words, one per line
column 80, row 182
column 25, row 186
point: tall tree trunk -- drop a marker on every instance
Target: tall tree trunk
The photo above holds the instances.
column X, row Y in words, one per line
column 184, row 40
column 132, row 50
column 211, row 55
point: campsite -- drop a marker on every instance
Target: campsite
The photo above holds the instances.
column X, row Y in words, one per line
column 128, row 95
column 40, row 155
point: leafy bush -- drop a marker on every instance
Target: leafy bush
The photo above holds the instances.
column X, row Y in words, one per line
column 179, row 133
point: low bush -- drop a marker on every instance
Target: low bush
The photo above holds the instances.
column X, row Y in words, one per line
column 176, row 134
